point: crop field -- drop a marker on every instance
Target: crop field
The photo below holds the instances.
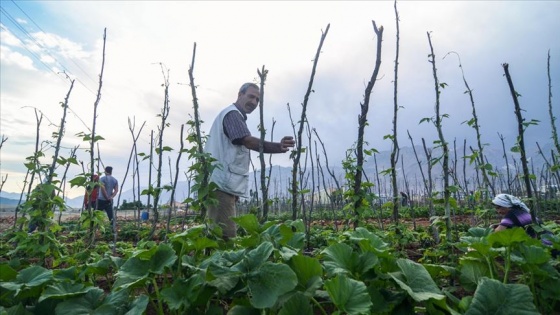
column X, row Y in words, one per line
column 279, row 266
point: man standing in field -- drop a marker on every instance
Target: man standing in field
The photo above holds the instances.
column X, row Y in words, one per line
column 229, row 142
column 109, row 189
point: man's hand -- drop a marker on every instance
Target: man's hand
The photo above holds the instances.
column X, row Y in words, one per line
column 286, row 143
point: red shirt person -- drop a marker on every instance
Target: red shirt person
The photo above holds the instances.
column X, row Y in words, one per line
column 92, row 192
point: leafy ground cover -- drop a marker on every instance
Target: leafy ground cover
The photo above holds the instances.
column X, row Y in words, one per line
column 277, row 268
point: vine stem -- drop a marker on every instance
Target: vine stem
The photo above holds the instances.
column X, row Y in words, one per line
column 508, row 263
column 319, row 305
column 490, row 267
column 160, row 305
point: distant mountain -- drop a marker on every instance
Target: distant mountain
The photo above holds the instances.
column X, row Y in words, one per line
column 8, row 202
column 9, row 199
column 9, row 195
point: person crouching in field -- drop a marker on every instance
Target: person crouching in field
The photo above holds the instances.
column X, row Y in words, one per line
column 516, row 214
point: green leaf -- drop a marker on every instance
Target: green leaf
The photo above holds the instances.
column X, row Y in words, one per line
column 7, row 273
column 94, row 303
column 308, row 271
column 115, row 301
column 386, row 171
column 255, row 258
column 243, row 310
column 100, row 267
column 453, row 188
column 64, row 290
column 249, row 223
column 508, row 237
column 425, row 120
column 18, row 309
column 201, row 243
column 137, row 268
column 83, row 305
column 133, row 273
column 439, row 271
column 494, row 297
column 138, row 305
column 269, row 282
column 349, row 296
column 297, row 304
column 472, row 271
column 478, row 232
column 371, row 151
column 163, row 257
column 534, row 255
column 222, row 278
column 471, row 121
column 278, row 234
column 339, row 258
column 416, row 280
column 370, row 242
column 183, row 292
column 34, row 276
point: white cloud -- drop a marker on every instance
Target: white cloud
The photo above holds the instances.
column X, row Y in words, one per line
column 60, row 45
column 10, row 57
column 8, row 38
column 47, row 59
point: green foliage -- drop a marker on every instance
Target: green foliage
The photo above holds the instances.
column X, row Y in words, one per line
column 493, row 297
column 41, row 242
column 497, row 256
column 132, row 205
column 349, row 296
column 359, row 199
column 267, row 269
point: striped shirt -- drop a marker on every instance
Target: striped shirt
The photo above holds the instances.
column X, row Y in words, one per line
column 517, row 217
column 235, row 127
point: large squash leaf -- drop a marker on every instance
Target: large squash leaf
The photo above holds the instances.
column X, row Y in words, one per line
column 494, row 297
column 349, row 295
column 416, row 280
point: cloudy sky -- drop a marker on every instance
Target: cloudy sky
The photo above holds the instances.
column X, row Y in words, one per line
column 43, row 43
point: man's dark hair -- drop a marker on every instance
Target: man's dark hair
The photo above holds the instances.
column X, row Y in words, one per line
column 109, row 170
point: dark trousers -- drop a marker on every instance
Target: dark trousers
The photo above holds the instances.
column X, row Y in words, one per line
column 106, row 205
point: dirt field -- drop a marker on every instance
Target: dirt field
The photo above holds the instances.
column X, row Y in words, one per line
column 7, row 217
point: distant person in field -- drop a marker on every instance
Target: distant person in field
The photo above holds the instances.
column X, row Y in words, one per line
column 515, row 214
column 471, row 199
column 92, row 193
column 109, row 189
column 229, row 142
column 404, row 199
